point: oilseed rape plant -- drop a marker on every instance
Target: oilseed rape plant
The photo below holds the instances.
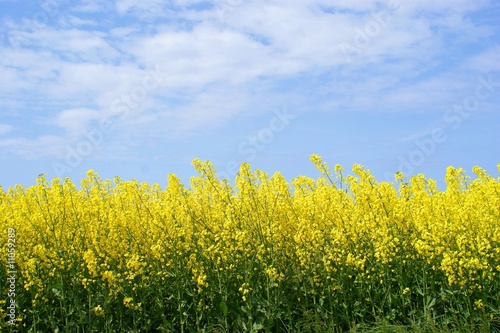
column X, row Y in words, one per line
column 343, row 252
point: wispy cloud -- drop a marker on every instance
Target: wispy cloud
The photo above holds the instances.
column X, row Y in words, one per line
column 4, row 129
column 65, row 67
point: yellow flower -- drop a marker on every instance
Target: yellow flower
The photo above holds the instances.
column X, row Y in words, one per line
column 98, row 311
column 316, row 159
column 127, row 301
column 479, row 304
column 125, row 236
column 399, row 176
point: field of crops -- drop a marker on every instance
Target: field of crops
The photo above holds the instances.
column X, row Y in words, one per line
column 336, row 253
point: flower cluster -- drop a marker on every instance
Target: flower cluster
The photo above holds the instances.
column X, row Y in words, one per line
column 263, row 249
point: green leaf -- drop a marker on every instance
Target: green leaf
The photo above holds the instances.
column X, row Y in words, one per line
column 224, row 308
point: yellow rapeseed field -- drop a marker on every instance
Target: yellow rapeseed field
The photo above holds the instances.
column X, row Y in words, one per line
column 331, row 253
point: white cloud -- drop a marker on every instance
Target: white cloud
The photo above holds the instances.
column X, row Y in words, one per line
column 73, row 44
column 91, row 6
column 205, row 55
column 74, row 121
column 212, row 57
column 150, row 8
column 486, row 61
column 40, row 147
column 5, row 128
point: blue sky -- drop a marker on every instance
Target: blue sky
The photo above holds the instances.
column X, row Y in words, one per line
column 139, row 89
